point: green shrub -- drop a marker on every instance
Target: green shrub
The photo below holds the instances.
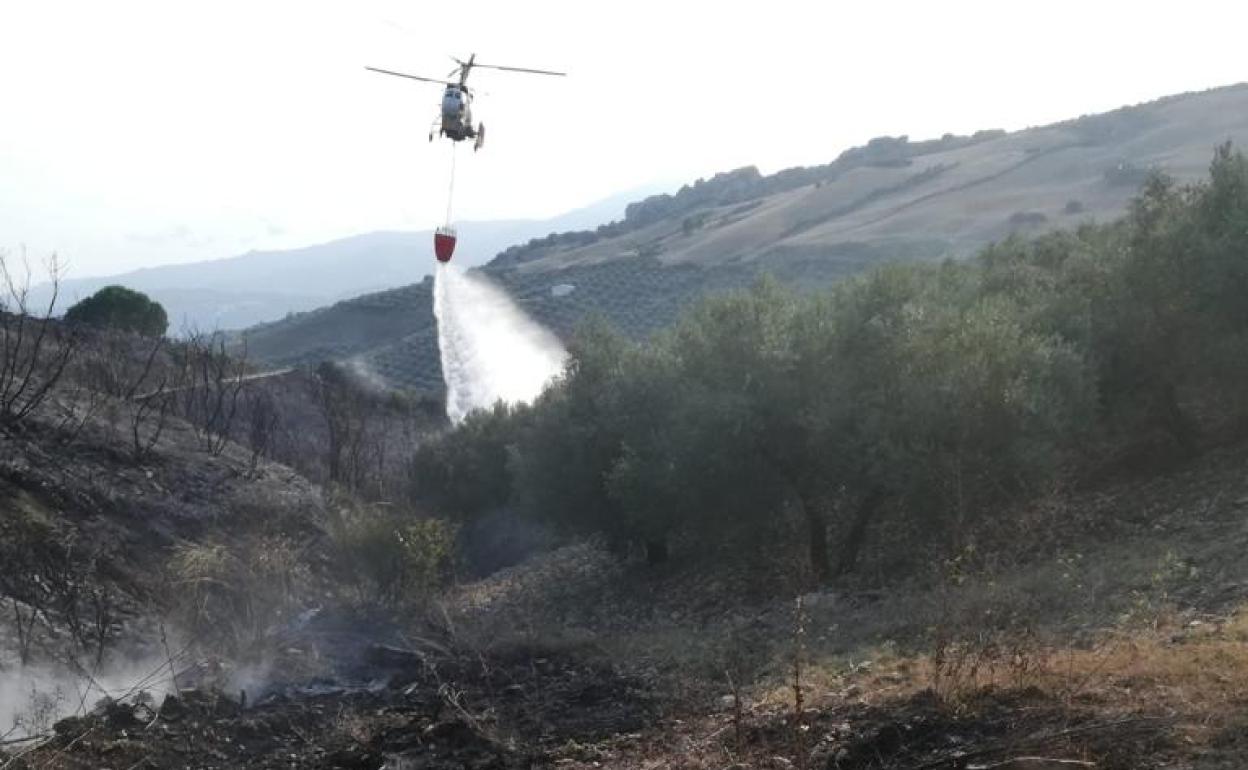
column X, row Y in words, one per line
column 465, row 473
column 389, row 558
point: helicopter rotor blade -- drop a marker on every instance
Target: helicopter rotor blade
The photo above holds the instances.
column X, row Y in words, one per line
column 521, row 69
column 410, row 77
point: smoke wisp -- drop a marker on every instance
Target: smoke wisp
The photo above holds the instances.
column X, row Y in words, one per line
column 490, row 349
column 33, row 698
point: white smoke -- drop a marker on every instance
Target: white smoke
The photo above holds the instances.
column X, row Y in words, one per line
column 32, row 698
column 491, row 350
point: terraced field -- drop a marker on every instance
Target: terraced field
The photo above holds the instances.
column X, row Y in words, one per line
column 392, row 335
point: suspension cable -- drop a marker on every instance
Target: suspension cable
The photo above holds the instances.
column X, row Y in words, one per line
column 450, row 193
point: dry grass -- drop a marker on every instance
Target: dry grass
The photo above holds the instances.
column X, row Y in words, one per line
column 229, row 599
column 1192, row 679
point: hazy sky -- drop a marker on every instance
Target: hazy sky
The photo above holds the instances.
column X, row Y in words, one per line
column 140, row 133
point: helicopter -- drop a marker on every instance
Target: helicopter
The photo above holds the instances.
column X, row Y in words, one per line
column 455, row 119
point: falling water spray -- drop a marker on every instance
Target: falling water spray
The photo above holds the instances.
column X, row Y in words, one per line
column 490, row 349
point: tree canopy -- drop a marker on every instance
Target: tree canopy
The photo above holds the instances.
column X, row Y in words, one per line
column 898, row 412
column 116, row 307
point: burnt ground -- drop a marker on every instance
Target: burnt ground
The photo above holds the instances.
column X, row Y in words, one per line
column 561, row 711
column 1116, row 638
column 373, row 706
column 87, row 497
column 994, row 727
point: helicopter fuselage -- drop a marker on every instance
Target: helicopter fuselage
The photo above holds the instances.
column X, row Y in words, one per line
column 457, row 114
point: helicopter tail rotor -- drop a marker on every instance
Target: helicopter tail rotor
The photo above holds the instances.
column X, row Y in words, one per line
column 459, row 67
column 465, row 67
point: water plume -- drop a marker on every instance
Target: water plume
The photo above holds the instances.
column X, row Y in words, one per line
column 490, row 349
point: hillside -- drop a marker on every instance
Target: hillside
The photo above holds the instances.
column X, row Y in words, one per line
column 891, row 199
column 1038, row 566
column 1113, row 635
column 263, row 286
column 946, row 197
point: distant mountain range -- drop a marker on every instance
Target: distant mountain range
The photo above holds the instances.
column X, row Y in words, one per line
column 263, row 286
column 891, row 199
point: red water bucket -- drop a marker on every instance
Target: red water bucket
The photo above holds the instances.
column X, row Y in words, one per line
column 444, row 243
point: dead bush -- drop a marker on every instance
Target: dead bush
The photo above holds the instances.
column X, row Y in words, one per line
column 263, row 422
column 211, row 382
column 963, row 664
column 231, row 598
column 52, row 581
column 35, row 348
